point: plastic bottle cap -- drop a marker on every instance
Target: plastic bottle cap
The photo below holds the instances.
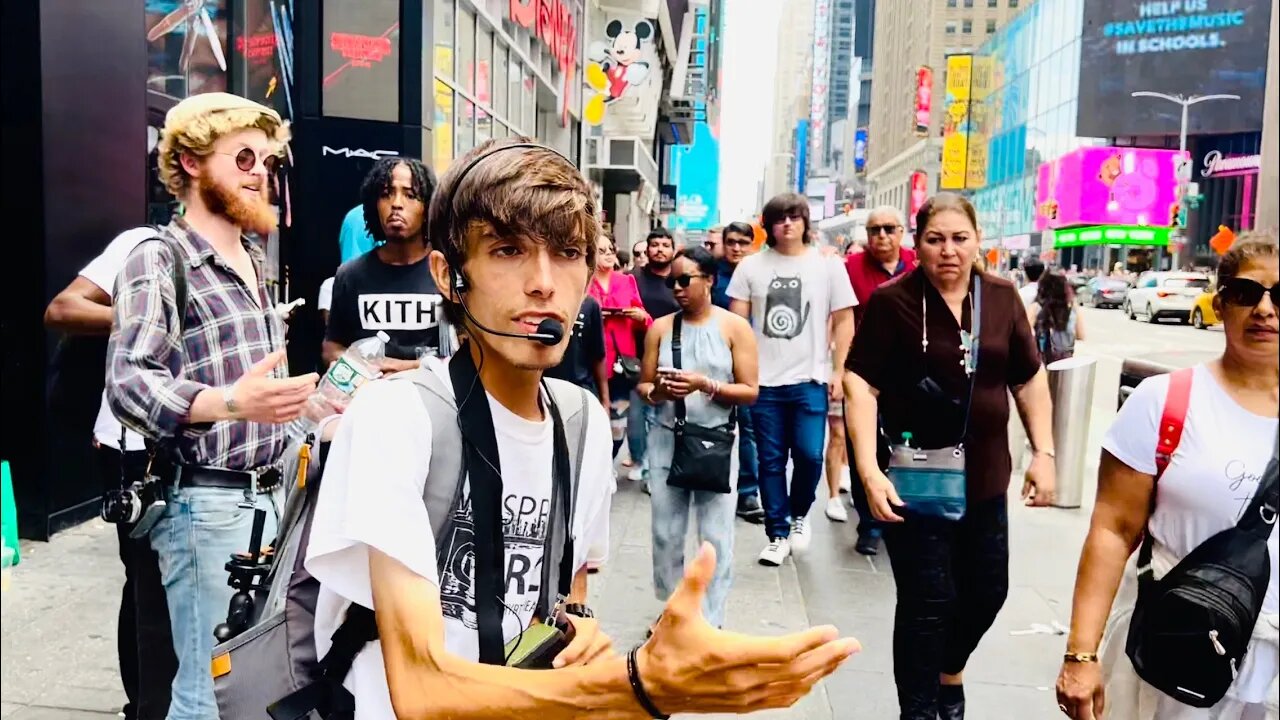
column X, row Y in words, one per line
column 906, row 437
column 383, row 336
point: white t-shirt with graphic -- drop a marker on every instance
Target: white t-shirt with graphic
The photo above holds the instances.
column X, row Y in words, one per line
column 372, row 497
column 102, row 271
column 1210, row 481
column 791, row 298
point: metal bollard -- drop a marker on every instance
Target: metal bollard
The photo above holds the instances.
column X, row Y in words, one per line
column 1071, row 386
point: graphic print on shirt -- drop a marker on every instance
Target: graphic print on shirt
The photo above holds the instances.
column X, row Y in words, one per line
column 524, row 528
column 398, row 311
column 785, row 312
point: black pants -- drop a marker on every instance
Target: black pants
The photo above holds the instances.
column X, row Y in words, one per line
column 952, row 579
column 144, row 642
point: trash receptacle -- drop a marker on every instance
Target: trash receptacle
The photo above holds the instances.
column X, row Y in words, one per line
column 1071, row 386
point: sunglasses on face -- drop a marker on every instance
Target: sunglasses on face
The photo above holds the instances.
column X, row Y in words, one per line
column 737, row 243
column 789, row 217
column 681, row 280
column 1243, row 292
column 873, row 230
column 247, row 160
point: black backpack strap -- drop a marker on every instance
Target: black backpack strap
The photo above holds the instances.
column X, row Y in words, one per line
column 1260, row 516
column 325, row 694
column 179, row 273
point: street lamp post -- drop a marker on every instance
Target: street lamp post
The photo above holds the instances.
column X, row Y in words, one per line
column 1183, row 178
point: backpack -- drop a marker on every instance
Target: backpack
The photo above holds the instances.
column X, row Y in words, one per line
column 1190, row 629
column 1054, row 344
column 271, row 669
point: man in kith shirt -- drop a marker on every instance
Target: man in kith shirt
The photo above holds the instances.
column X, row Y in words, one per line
column 390, row 288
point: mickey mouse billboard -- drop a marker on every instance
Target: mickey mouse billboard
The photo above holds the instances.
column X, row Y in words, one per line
column 620, row 64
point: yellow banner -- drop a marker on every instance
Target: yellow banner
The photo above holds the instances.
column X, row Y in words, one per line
column 981, row 118
column 955, row 122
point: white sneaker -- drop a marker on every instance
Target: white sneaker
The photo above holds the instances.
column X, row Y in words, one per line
column 846, row 483
column 836, row 511
column 775, row 552
column 636, row 474
column 799, row 535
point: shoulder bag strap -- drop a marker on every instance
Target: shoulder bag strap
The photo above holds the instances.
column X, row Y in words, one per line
column 480, row 457
column 975, row 349
column 1260, row 516
column 1173, row 419
column 677, row 323
column 559, row 535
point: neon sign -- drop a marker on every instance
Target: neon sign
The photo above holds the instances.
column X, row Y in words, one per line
column 360, row 50
column 257, row 49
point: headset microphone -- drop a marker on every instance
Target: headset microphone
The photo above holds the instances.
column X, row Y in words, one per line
column 550, row 332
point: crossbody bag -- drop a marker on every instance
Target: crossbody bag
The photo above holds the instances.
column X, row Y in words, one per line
column 703, row 455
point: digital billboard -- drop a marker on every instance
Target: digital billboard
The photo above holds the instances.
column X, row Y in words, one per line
column 1176, row 47
column 1108, row 186
column 696, row 169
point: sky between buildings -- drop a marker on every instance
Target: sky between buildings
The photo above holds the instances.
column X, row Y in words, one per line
column 750, row 53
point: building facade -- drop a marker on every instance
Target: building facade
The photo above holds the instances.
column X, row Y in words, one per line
column 903, row 136
column 791, row 91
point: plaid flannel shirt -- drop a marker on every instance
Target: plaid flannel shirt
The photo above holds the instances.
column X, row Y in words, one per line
column 155, row 367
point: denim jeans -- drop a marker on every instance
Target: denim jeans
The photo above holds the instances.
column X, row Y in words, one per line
column 790, row 422
column 715, row 514
column 952, row 579
column 144, row 645
column 748, row 462
column 200, row 529
column 640, row 417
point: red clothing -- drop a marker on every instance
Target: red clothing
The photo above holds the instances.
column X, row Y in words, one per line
column 619, row 330
column 866, row 273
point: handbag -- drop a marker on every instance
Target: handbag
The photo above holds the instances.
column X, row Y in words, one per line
column 1190, row 629
column 933, row 482
column 625, row 365
column 703, row 456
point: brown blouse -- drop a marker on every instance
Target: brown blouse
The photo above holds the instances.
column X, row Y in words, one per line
column 887, row 354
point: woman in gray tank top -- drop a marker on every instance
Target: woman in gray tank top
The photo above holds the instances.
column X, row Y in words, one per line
column 717, row 371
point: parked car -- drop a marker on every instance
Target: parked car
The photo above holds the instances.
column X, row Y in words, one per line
column 1165, row 294
column 1203, row 314
column 1103, row 292
column 1136, row 369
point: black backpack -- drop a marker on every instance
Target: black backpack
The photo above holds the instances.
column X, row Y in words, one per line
column 1191, row 628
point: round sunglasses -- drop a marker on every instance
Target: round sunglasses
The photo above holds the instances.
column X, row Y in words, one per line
column 1243, row 292
column 247, row 159
column 681, row 280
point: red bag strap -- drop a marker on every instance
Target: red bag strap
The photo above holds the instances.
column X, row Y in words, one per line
column 1176, row 403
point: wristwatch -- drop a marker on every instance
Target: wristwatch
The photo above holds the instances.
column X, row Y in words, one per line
column 229, row 399
column 579, row 610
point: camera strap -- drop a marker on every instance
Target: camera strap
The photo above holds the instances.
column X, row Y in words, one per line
column 484, row 478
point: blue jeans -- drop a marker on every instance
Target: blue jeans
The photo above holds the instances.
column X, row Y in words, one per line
column 640, row 417
column 200, row 529
column 670, row 516
column 791, row 421
column 748, row 463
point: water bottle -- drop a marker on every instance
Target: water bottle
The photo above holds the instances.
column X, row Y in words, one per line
column 360, row 363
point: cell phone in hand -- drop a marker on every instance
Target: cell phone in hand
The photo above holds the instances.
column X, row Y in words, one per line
column 669, row 371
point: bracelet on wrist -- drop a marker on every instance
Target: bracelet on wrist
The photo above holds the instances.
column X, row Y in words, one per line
column 1074, row 657
column 637, row 687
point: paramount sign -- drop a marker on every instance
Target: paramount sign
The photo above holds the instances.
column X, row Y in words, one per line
column 1218, row 165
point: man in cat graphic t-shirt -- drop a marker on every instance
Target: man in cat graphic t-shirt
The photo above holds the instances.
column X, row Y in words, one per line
column 390, row 288
column 512, row 229
column 788, row 292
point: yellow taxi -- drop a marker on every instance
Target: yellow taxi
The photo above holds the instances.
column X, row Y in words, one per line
column 1202, row 314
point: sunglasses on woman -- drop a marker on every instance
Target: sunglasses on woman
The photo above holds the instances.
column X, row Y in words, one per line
column 1244, row 292
column 681, row 280
column 247, row 159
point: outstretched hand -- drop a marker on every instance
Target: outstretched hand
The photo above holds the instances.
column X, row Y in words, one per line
column 689, row 666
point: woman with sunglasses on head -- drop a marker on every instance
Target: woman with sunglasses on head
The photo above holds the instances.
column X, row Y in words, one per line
column 713, row 372
column 624, row 317
column 1228, row 436
column 936, row 355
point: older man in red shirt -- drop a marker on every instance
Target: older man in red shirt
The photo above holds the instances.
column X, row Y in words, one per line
column 883, row 260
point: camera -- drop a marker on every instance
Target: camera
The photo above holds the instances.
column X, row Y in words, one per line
column 139, row 505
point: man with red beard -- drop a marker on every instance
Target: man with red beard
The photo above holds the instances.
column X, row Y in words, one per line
column 205, row 381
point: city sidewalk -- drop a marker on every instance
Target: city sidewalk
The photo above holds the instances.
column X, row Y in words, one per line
column 59, row 615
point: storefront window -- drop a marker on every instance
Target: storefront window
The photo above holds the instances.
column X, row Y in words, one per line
column 444, row 38
column 500, row 81
column 465, row 61
column 183, row 58
column 529, row 98
column 442, row 150
column 464, row 138
column 484, row 83
column 515, row 75
column 256, row 43
column 361, row 60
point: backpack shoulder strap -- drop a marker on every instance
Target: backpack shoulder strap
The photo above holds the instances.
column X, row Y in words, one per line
column 575, row 406
column 1177, row 401
column 1173, row 419
column 179, row 271
column 446, row 472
